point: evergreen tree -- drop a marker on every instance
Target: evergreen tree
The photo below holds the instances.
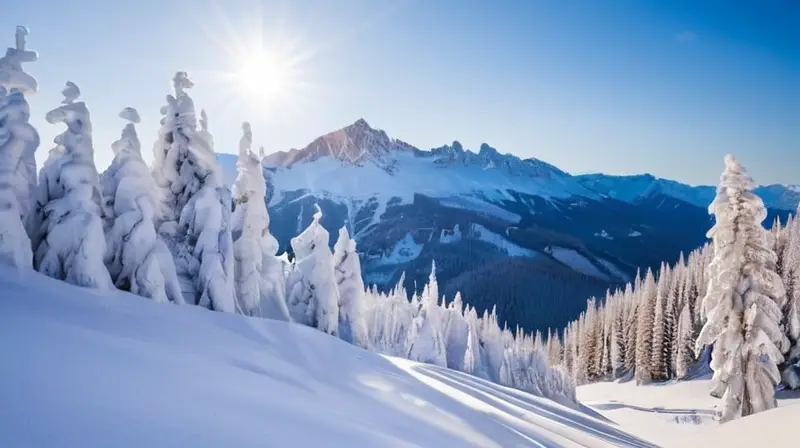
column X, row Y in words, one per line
column 658, row 365
column 258, row 273
column 602, row 359
column 313, row 298
column 590, row 341
column 18, row 143
column 194, row 217
column 744, row 299
column 474, row 356
column 632, row 325
column 433, row 285
column 491, row 340
column 672, row 316
column 425, row 341
column 644, row 329
column 137, row 259
column 456, row 333
column 618, row 334
column 685, row 343
column 554, row 354
column 71, row 244
column 347, row 269
column 537, row 341
column 581, row 375
column 791, row 311
column 183, row 159
column 568, row 343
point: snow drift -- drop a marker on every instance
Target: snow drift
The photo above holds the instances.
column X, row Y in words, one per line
column 106, row 368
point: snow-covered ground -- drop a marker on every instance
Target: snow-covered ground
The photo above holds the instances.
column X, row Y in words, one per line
column 681, row 414
column 497, row 240
column 578, row 262
column 97, row 369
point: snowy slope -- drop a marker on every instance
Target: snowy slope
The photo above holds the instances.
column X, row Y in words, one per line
column 90, row 369
column 771, row 428
column 680, row 414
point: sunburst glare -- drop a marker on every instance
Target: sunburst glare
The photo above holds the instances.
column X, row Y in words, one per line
column 261, row 67
column 261, row 74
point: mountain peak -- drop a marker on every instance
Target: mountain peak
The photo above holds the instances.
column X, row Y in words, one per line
column 485, row 149
column 355, row 144
column 359, row 144
column 361, row 123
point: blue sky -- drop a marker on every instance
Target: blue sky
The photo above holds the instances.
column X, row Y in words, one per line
column 616, row 86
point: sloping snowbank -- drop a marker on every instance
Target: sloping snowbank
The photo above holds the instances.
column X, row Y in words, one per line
column 680, row 414
column 776, row 427
column 89, row 369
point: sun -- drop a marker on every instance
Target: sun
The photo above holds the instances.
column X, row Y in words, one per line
column 261, row 75
column 259, row 68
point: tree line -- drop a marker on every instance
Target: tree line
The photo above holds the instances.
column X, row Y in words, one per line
column 738, row 297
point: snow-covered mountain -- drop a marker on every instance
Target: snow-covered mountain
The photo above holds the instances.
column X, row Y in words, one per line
column 638, row 187
column 570, row 236
column 366, row 163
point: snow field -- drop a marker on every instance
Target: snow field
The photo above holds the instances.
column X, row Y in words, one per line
column 97, row 369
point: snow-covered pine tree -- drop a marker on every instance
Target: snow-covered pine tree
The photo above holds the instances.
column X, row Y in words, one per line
column 183, row 161
column 433, row 285
column 555, row 352
column 456, row 334
column 578, row 371
column 388, row 320
column 644, row 329
column 618, row 333
column 631, row 331
column 703, row 309
column 695, row 286
column 426, row 335
column 685, row 343
column 312, row 296
column 580, row 374
column 491, row 339
column 259, row 279
column 194, row 217
column 672, row 312
column 474, row 356
column 425, row 341
column 137, row 259
column 18, row 143
column 791, row 311
column 658, row 364
column 612, row 302
column 632, row 324
column 548, row 344
column 70, row 240
column 567, row 361
column 744, row 299
column 538, row 343
column 347, row 268
column 591, row 339
column 601, row 357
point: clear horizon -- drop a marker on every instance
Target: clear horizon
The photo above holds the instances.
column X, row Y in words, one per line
column 618, row 88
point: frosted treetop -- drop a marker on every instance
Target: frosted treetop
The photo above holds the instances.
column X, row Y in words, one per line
column 12, row 76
